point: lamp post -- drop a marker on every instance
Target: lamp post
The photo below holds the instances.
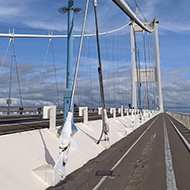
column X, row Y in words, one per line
column 67, row 93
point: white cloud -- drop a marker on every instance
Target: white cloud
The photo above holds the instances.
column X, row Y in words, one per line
column 40, row 14
column 176, row 89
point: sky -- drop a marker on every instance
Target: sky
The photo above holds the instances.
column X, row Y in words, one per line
column 40, row 16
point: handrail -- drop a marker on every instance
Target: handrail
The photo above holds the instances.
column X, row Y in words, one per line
column 184, row 119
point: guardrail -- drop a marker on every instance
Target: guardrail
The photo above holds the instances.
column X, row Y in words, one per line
column 31, row 110
column 18, row 110
column 184, row 119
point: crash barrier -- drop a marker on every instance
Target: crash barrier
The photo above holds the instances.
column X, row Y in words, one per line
column 36, row 152
column 184, row 119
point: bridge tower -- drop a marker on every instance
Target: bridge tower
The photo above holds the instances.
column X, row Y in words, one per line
column 136, row 28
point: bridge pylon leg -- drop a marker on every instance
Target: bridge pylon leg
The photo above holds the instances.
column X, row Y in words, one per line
column 133, row 84
column 158, row 68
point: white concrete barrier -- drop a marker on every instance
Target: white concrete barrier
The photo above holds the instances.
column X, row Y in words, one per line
column 49, row 112
column 113, row 111
column 83, row 111
column 120, row 110
column 27, row 158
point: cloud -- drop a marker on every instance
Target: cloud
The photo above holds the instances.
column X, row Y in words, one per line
column 176, row 89
column 175, row 26
column 43, row 14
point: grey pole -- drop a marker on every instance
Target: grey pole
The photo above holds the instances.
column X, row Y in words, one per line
column 133, row 84
column 158, row 73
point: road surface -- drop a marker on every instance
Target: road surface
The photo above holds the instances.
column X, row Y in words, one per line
column 153, row 157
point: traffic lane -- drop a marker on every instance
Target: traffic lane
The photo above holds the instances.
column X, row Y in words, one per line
column 85, row 177
column 144, row 166
column 180, row 158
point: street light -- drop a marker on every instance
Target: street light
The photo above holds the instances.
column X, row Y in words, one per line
column 67, row 94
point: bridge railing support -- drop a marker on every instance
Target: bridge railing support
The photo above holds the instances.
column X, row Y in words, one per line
column 120, row 110
column 126, row 111
column 83, row 111
column 49, row 112
column 113, row 111
column 99, row 111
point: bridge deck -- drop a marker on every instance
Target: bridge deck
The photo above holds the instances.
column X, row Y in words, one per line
column 139, row 161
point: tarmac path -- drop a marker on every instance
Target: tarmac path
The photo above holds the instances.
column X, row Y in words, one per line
column 153, row 157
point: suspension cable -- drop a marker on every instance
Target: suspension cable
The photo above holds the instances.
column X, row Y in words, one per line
column 144, row 50
column 13, row 35
column 112, row 61
column 78, row 57
column 78, row 81
column 5, row 54
column 150, row 74
column 90, row 69
column 137, row 60
column 107, row 69
column 100, row 65
column 53, row 57
column 42, row 72
column 140, row 10
column 17, row 72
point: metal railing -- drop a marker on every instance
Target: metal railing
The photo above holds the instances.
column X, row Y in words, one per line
column 18, row 110
column 182, row 118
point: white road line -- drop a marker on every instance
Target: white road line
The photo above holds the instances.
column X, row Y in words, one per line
column 119, row 161
column 170, row 176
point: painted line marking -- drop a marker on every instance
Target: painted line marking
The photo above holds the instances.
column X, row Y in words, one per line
column 170, row 176
column 119, row 161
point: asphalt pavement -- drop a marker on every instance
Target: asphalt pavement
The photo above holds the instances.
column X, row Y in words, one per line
column 153, row 157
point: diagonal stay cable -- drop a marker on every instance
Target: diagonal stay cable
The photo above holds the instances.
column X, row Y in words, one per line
column 42, row 72
column 17, row 72
column 5, row 54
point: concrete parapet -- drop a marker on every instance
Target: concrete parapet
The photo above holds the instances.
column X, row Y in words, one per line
column 113, row 111
column 49, row 112
column 120, row 110
column 35, row 152
column 83, row 111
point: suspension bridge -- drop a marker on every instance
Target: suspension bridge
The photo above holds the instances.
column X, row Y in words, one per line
column 87, row 111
